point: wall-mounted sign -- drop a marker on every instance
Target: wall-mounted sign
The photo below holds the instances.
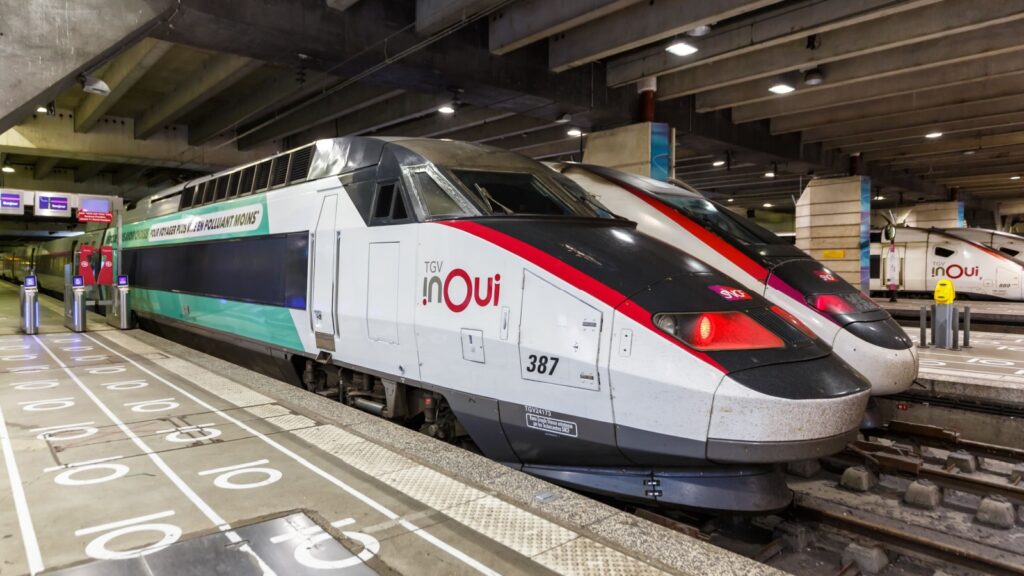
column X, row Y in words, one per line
column 95, row 209
column 52, row 206
column 10, row 203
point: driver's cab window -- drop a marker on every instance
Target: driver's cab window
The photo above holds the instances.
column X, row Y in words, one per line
column 389, row 205
column 943, row 252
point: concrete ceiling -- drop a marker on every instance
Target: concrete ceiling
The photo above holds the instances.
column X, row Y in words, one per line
column 213, row 84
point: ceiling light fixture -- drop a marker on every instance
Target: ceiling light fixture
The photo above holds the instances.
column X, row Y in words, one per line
column 574, row 132
column 1014, row 177
column 7, row 168
column 879, row 197
column 969, row 152
column 814, row 77
column 563, row 119
column 93, row 85
column 769, row 174
column 717, row 163
column 781, row 88
column 41, row 109
column 446, row 109
column 701, row 30
column 680, row 48
column 767, row 204
column 731, row 200
column 933, row 135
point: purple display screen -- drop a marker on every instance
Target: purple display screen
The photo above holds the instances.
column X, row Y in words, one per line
column 122, row 280
column 30, row 282
column 8, row 200
column 52, row 203
column 94, row 205
column 77, row 281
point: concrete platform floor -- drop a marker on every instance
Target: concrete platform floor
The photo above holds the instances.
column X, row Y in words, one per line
column 1009, row 315
column 120, row 444
column 991, row 369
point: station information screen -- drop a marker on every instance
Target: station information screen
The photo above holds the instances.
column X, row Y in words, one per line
column 30, row 282
column 77, row 281
column 10, row 202
column 52, row 206
column 95, row 209
column 122, row 280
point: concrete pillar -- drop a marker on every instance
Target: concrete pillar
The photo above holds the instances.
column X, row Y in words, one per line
column 647, row 149
column 938, row 215
column 46, row 44
column 833, row 225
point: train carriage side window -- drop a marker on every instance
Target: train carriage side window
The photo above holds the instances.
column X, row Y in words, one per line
column 222, row 188
column 435, row 201
column 262, row 176
column 210, row 189
column 1009, row 251
column 185, row 200
column 245, row 182
column 876, row 237
column 943, row 252
column 390, row 205
column 876, row 266
column 382, row 205
column 233, row 185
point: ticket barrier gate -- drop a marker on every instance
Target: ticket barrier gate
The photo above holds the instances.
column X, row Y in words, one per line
column 75, row 304
column 119, row 314
column 29, row 306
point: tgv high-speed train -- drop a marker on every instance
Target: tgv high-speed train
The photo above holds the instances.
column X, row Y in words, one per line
column 1010, row 244
column 929, row 255
column 858, row 330
column 470, row 290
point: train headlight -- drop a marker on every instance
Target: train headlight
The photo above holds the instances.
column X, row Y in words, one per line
column 716, row 331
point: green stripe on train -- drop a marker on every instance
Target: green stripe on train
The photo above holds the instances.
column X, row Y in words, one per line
column 271, row 324
column 245, row 216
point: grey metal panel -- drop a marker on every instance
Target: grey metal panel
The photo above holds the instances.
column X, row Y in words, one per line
column 540, row 436
column 765, row 451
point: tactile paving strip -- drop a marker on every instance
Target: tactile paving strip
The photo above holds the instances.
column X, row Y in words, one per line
column 517, row 529
column 431, row 487
column 584, row 557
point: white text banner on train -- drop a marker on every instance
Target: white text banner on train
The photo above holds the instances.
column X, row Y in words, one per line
column 209, row 223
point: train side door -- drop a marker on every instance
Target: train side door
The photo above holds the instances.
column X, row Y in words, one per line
column 324, row 250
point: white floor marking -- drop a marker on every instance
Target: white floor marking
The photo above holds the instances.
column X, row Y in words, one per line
column 455, row 552
column 28, row 532
column 205, row 508
column 83, row 463
column 123, row 523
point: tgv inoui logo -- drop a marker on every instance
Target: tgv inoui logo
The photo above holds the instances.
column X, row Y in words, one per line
column 458, row 289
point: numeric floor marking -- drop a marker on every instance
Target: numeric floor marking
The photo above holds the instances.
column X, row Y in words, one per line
column 159, row 462
column 382, row 509
column 28, row 531
column 93, row 371
column 67, row 476
column 126, row 385
column 313, row 535
column 97, row 547
column 48, row 433
column 35, row 384
column 29, row 369
column 47, row 405
column 158, row 405
column 225, row 476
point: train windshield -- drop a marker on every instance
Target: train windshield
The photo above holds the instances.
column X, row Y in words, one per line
column 464, row 192
column 721, row 221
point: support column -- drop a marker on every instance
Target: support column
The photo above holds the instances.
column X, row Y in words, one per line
column 647, row 149
column 938, row 215
column 833, row 226
column 46, row 44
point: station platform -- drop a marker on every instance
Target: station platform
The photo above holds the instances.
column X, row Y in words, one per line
column 123, row 453
column 1001, row 316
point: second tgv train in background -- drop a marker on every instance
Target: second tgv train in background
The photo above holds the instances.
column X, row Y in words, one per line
column 1010, row 244
column 859, row 331
column 467, row 290
column 929, row 255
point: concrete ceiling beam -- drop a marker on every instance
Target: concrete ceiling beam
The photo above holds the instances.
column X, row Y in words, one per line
column 220, row 72
column 114, row 143
column 277, row 92
column 942, row 77
column 976, row 135
column 444, row 124
column 957, row 128
column 929, row 24
column 121, row 74
column 47, row 44
column 44, row 166
column 638, row 25
column 944, row 146
column 877, row 68
column 87, row 172
column 337, row 104
column 433, row 16
column 128, row 174
column 562, row 148
column 522, row 141
column 944, row 119
column 395, row 110
column 794, row 21
column 505, row 127
column 527, row 21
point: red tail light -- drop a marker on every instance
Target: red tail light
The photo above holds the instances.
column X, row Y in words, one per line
column 833, row 304
column 795, row 322
column 716, row 331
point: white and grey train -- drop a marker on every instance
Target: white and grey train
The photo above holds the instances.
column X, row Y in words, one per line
column 929, row 255
column 470, row 291
column 1010, row 244
column 859, row 331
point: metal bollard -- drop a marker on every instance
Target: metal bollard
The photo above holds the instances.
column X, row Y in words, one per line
column 967, row 327
column 119, row 315
column 922, row 340
column 955, row 344
column 29, row 306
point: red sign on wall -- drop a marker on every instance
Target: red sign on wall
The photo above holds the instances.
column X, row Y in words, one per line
column 86, row 216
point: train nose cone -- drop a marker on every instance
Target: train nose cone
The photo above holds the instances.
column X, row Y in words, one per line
column 786, row 412
column 890, row 370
